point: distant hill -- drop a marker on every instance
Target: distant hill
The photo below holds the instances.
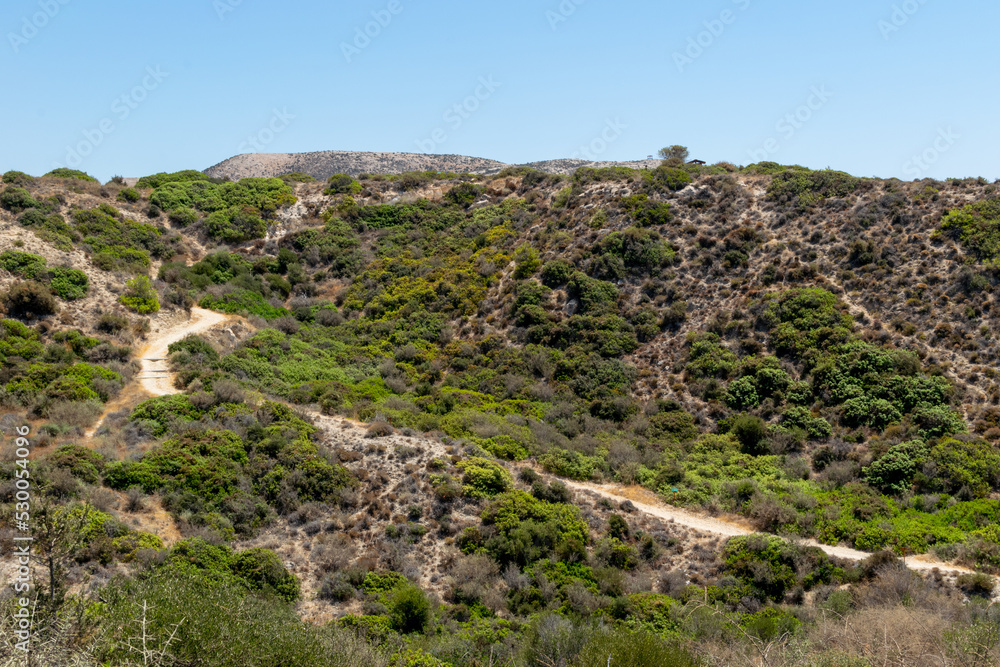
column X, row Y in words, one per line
column 323, row 164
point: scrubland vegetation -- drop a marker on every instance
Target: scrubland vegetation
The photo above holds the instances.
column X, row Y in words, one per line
column 809, row 351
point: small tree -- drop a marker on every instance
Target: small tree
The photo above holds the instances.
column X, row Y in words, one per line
column 29, row 300
column 674, row 155
column 409, row 609
column 140, row 296
column 59, row 533
column 751, row 433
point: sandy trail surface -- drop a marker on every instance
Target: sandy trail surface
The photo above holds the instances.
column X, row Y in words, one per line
column 154, row 377
column 647, row 502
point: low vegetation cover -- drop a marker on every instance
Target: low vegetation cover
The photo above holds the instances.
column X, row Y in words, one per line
column 630, row 326
column 234, row 212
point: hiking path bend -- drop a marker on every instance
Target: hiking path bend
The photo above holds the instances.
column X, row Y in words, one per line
column 154, row 377
column 648, row 503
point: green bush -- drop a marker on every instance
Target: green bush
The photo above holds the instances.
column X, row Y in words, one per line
column 526, row 262
column 977, row 227
column 464, row 194
column 189, row 616
column 29, row 300
column 409, row 609
column 235, row 225
column 297, row 177
column 16, row 199
column 18, row 178
column 484, row 478
column 772, row 567
column 161, row 179
column 23, row 264
column 183, row 216
column 342, row 184
column 264, row 571
column 751, row 433
column 557, row 273
column 76, row 174
column 128, row 195
column 668, row 178
column 809, row 187
column 140, row 296
column 69, row 284
column 243, row 302
column 624, row 647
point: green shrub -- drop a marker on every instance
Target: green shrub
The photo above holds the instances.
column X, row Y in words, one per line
column 69, row 284
column 570, row 464
column 646, row 212
column 809, row 187
column 342, row 184
column 409, row 609
column 243, row 302
column 76, row 174
column 140, row 296
column 527, row 262
column 624, row 647
column 189, row 616
column 18, row 178
column 770, row 624
column 235, row 225
column 161, row 179
column 16, row 199
column 977, row 227
column 84, row 464
column 772, row 566
column 29, row 300
column 297, row 177
column 129, row 195
column 963, row 464
column 484, row 478
column 557, row 273
column 751, row 433
column 263, row 570
column 529, row 529
column 23, row 264
column 183, row 216
column 464, row 194
column 668, row 178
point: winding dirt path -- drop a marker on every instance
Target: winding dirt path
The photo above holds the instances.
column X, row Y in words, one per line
column 154, row 377
column 647, row 502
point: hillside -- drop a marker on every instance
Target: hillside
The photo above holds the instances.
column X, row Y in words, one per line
column 321, row 165
column 515, row 417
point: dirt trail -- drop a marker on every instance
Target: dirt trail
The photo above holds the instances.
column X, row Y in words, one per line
column 154, row 377
column 647, row 502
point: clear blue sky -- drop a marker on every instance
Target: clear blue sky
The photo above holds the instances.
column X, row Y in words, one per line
column 226, row 67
